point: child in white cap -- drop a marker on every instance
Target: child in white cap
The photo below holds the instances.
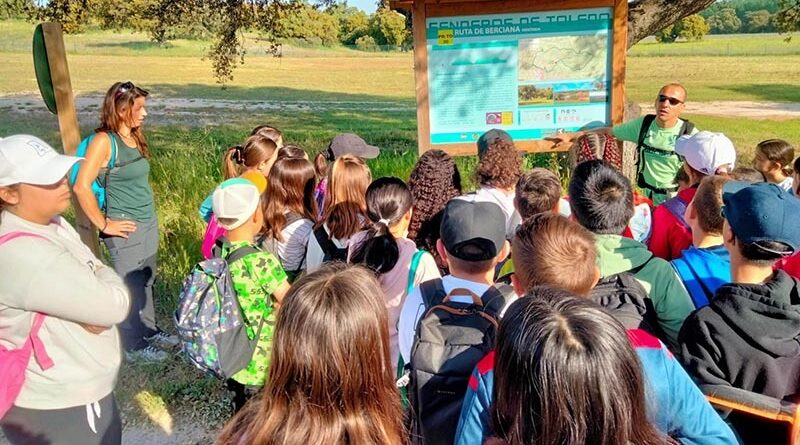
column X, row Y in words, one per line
column 66, row 392
column 258, row 278
column 704, row 154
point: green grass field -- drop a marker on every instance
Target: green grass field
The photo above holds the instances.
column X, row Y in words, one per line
column 186, row 157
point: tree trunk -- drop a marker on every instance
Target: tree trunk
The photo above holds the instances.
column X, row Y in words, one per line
column 646, row 17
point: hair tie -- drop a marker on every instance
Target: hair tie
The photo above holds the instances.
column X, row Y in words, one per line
column 238, row 154
column 384, row 221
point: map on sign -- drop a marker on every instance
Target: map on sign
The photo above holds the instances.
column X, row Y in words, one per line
column 532, row 74
column 557, row 58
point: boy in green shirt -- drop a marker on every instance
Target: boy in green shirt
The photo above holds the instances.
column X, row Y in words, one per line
column 258, row 278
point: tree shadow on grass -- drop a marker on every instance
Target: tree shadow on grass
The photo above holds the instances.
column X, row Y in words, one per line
column 766, row 92
column 131, row 45
column 267, row 93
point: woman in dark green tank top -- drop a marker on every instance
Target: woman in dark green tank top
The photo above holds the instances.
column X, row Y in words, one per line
column 128, row 225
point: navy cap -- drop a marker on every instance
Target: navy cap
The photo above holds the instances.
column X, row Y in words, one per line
column 473, row 231
column 489, row 137
column 761, row 212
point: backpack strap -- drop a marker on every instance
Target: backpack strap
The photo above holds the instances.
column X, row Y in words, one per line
column 432, row 292
column 640, row 148
column 112, row 160
column 687, row 128
column 412, row 271
column 646, row 123
column 677, row 207
column 39, row 351
column 694, row 285
column 496, row 297
column 241, row 252
column 326, row 244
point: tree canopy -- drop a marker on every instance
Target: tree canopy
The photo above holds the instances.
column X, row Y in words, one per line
column 328, row 21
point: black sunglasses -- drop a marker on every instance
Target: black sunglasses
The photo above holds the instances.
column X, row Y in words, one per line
column 672, row 100
column 124, row 88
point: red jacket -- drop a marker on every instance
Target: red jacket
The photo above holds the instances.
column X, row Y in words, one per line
column 669, row 236
column 790, row 265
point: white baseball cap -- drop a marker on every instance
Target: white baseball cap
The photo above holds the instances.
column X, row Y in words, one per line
column 236, row 201
column 707, row 152
column 26, row 159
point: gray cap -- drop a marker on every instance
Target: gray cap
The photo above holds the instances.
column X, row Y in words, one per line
column 489, row 137
column 473, row 231
column 349, row 143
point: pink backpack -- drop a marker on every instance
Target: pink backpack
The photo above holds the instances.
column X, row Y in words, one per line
column 14, row 362
column 213, row 233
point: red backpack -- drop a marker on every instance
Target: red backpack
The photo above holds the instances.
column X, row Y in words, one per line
column 14, row 362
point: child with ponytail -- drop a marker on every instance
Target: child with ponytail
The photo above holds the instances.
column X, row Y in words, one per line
column 256, row 153
column 385, row 248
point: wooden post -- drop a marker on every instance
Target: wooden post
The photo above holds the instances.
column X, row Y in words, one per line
column 67, row 118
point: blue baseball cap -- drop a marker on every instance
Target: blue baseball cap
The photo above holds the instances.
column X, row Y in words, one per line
column 761, row 212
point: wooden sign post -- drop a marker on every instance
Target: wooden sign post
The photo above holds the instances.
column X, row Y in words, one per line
column 59, row 86
column 531, row 68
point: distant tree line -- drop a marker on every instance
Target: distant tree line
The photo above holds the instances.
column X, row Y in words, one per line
column 749, row 16
column 735, row 16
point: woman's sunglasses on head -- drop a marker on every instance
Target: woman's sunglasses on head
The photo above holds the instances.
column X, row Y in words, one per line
column 124, row 88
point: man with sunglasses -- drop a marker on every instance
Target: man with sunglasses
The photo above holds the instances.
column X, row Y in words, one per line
column 657, row 163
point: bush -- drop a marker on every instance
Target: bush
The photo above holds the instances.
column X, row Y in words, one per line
column 693, row 27
column 366, row 43
column 725, row 22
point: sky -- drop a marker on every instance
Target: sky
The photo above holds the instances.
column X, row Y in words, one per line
column 366, row 5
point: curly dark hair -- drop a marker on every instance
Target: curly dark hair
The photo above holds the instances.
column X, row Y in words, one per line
column 434, row 181
column 501, row 166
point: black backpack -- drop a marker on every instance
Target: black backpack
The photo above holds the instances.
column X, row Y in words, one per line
column 642, row 148
column 627, row 300
column 329, row 249
column 451, row 338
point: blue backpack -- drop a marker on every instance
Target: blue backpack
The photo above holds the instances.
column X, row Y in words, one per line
column 209, row 318
column 99, row 186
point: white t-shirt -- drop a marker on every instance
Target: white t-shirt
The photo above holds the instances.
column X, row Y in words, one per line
column 414, row 309
column 502, row 199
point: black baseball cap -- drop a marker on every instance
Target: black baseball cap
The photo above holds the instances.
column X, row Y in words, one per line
column 489, row 137
column 350, row 143
column 473, row 231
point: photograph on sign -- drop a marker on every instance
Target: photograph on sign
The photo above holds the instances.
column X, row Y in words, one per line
column 532, row 74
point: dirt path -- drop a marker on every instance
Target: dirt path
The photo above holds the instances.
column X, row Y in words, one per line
column 183, row 434
column 200, row 112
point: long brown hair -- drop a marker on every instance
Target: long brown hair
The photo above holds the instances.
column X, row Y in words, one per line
column 566, row 374
column 255, row 150
column 345, row 201
column 119, row 100
column 330, row 378
column 291, row 183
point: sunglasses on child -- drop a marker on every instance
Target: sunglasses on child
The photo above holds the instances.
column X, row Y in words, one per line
column 672, row 100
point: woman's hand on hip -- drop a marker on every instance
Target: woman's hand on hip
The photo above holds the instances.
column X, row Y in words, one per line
column 118, row 228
